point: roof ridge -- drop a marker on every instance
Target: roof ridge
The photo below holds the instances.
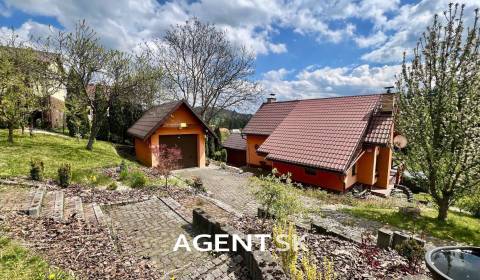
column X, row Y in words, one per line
column 331, row 97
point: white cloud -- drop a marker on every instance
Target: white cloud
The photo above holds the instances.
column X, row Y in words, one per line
column 326, row 81
column 407, row 26
column 371, row 41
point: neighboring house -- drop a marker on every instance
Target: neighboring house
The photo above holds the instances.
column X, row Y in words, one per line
column 236, row 147
column 52, row 94
column 173, row 124
column 333, row 143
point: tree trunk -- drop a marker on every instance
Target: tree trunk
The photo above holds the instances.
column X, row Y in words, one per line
column 93, row 132
column 442, row 210
column 10, row 133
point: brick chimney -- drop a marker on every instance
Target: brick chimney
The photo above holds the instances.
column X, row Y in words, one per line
column 271, row 98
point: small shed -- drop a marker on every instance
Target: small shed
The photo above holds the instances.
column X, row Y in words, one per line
column 174, row 124
column 236, row 147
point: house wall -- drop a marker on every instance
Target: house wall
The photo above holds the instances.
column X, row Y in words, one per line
column 350, row 179
column 324, row 179
column 366, row 166
column 172, row 127
column 384, row 165
column 143, row 152
column 253, row 159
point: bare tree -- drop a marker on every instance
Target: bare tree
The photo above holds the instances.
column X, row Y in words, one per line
column 101, row 75
column 202, row 67
column 439, row 109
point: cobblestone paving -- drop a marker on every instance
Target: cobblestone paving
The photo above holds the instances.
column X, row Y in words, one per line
column 150, row 229
column 229, row 187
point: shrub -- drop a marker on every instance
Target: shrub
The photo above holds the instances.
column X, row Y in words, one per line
column 413, row 251
column 37, row 169
column 123, row 174
column 64, row 175
column 277, row 196
column 137, row 179
column 123, row 166
column 471, row 203
column 113, row 186
column 197, row 184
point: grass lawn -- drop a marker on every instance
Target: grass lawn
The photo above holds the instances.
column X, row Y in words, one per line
column 459, row 227
column 18, row 263
column 53, row 151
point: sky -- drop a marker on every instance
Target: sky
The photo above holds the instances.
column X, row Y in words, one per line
column 303, row 49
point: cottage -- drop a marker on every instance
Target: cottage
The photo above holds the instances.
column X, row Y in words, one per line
column 173, row 124
column 333, row 143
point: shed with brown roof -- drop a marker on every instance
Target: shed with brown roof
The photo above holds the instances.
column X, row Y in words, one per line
column 236, row 146
column 171, row 124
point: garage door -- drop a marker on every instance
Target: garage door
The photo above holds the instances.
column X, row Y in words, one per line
column 187, row 144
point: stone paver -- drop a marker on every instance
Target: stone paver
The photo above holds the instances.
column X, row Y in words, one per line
column 15, row 198
column 227, row 186
column 151, row 228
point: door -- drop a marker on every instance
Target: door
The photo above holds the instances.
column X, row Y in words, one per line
column 187, row 143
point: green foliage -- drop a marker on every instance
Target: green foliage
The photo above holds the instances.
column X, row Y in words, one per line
column 278, row 196
column 37, row 168
column 413, row 251
column 459, row 227
column 77, row 120
column 18, row 76
column 197, row 184
column 471, row 203
column 54, row 151
column 65, row 175
column 221, row 155
column 438, row 108
column 19, row 264
column 137, row 179
column 113, row 186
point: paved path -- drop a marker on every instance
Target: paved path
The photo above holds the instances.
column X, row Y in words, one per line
column 151, row 228
column 227, row 186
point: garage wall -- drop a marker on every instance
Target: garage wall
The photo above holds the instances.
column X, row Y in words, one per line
column 172, row 127
column 143, row 152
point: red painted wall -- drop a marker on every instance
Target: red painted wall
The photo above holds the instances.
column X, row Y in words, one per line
column 324, row 179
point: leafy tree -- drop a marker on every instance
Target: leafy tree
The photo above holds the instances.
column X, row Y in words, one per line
column 202, row 67
column 439, row 108
column 17, row 79
column 169, row 159
column 77, row 120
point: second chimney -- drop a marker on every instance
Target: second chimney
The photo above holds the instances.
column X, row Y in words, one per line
column 271, row 98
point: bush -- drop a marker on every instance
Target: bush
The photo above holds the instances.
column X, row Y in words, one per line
column 137, row 179
column 37, row 169
column 197, row 184
column 220, row 155
column 123, row 166
column 113, row 186
column 278, row 196
column 123, row 175
column 413, row 251
column 64, row 175
column 470, row 203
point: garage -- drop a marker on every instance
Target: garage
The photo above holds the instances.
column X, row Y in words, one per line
column 174, row 124
column 187, row 143
column 236, row 150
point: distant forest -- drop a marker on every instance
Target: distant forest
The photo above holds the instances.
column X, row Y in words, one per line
column 231, row 119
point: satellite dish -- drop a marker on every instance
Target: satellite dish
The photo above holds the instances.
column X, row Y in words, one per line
column 400, row 141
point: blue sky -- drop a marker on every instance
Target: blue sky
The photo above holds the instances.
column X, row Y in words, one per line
column 303, row 49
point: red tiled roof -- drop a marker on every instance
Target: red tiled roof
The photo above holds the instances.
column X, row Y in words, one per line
column 380, row 129
column 235, row 141
column 322, row 133
column 268, row 117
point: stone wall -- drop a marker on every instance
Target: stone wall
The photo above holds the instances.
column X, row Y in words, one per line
column 260, row 264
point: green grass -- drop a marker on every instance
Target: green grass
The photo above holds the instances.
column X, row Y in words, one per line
column 18, row 263
column 53, row 151
column 459, row 227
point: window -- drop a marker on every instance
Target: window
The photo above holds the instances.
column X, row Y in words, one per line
column 354, row 169
column 310, row 171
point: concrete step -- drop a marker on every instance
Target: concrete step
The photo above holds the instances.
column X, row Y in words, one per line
column 37, row 201
column 58, row 206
